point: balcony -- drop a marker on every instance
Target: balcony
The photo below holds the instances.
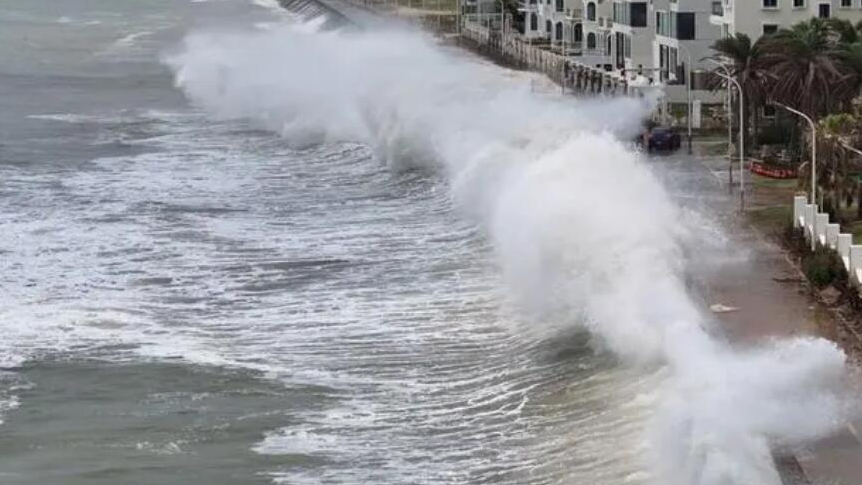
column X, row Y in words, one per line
column 527, row 6
column 574, row 14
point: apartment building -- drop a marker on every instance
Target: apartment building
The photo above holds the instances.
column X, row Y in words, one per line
column 597, row 23
column 758, row 17
column 631, row 35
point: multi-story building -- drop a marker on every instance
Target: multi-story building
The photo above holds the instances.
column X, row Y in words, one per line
column 684, row 35
column 553, row 21
column 574, row 27
column 596, row 27
column 758, row 17
column 631, row 35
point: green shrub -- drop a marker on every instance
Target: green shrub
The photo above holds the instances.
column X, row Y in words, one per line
column 824, row 268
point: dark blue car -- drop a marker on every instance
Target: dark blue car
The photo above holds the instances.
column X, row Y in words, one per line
column 663, row 139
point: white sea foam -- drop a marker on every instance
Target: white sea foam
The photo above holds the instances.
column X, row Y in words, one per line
column 548, row 180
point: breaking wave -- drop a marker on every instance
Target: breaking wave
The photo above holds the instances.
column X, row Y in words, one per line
column 549, row 180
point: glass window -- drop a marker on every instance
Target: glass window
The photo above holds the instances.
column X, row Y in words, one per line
column 685, row 26
column 770, row 3
column 769, row 29
column 639, row 14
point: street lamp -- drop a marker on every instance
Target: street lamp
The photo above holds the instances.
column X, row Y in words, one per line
column 729, row 124
column 813, row 147
column 741, row 131
column 688, row 92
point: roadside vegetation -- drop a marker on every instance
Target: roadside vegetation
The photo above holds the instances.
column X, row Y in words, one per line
column 814, row 67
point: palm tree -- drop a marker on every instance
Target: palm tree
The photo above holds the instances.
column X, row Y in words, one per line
column 845, row 31
column 746, row 66
column 806, row 70
column 850, row 85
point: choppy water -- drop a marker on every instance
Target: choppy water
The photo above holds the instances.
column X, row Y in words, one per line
column 187, row 300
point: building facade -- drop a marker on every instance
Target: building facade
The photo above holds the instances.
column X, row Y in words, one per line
column 758, row 17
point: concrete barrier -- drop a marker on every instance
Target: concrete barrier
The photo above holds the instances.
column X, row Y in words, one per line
column 820, row 223
column 856, row 264
column 810, row 213
column 816, row 227
column 799, row 203
column 844, row 243
column 832, row 231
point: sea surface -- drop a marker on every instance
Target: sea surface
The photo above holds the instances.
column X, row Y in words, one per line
column 191, row 300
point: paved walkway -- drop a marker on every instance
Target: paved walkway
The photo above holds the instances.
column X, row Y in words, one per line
column 771, row 299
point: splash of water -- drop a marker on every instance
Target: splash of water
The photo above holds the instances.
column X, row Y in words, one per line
column 550, row 181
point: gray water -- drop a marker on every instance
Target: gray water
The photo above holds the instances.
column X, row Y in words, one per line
column 187, row 300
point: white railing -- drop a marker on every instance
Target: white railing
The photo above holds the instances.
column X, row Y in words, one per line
column 815, row 225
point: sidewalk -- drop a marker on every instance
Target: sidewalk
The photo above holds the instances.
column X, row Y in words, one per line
column 773, row 299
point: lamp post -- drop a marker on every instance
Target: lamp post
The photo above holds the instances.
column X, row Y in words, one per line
column 729, row 123
column 502, row 26
column 688, row 92
column 730, row 79
column 813, row 147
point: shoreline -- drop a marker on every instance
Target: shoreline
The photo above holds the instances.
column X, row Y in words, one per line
column 769, row 295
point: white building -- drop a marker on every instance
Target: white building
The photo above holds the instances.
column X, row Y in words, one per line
column 757, row 17
column 632, row 33
column 597, row 15
column 578, row 28
column 684, row 35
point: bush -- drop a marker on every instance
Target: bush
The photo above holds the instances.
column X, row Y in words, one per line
column 824, row 268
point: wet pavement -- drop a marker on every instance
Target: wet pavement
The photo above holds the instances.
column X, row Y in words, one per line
column 760, row 294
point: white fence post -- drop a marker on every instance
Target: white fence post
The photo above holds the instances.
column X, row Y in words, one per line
column 799, row 211
column 810, row 213
column 832, row 231
column 856, row 264
column 820, row 222
column 844, row 243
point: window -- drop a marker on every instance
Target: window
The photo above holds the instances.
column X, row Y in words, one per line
column 548, row 26
column 685, row 26
column 846, row 3
column 770, row 3
column 798, row 3
column 579, row 33
column 638, row 14
column 717, row 8
column 534, row 22
column 559, row 5
column 824, row 10
column 769, row 111
column 559, row 32
column 769, row 29
column 591, row 11
column 591, row 41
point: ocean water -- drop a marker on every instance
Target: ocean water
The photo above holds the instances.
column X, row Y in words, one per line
column 239, row 247
column 189, row 299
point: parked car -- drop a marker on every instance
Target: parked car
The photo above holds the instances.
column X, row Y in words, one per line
column 663, row 139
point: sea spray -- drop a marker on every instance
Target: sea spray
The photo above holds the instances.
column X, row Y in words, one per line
column 584, row 232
